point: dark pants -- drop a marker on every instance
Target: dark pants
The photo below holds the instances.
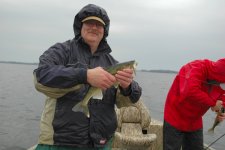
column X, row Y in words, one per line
column 108, row 146
column 174, row 139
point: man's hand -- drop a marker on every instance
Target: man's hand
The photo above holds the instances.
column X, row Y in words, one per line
column 125, row 77
column 218, row 106
column 221, row 117
column 100, row 78
column 219, row 109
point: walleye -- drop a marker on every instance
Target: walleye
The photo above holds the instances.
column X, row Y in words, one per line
column 216, row 122
column 97, row 92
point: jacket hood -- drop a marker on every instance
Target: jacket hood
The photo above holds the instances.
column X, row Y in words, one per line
column 87, row 11
column 216, row 70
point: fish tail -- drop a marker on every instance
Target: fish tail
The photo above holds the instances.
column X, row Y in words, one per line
column 211, row 130
column 86, row 111
column 79, row 107
column 216, row 123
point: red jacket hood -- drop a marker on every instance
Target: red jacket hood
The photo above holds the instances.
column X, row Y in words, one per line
column 216, row 70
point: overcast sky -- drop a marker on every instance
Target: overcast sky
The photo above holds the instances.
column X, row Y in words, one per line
column 158, row 34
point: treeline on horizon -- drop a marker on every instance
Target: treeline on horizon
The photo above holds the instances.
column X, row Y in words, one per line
column 142, row 70
column 159, row 71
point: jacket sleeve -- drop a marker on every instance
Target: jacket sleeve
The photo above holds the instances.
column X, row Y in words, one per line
column 54, row 73
column 129, row 96
column 190, row 85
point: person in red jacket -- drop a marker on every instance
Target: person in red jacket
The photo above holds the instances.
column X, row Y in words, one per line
column 194, row 90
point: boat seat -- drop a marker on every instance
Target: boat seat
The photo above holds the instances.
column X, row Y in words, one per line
column 133, row 128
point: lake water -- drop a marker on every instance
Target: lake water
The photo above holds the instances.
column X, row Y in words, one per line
column 21, row 106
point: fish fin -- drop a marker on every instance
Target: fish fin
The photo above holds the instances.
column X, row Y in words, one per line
column 77, row 107
column 83, row 105
column 211, row 131
column 97, row 94
column 86, row 111
column 81, row 108
column 116, row 85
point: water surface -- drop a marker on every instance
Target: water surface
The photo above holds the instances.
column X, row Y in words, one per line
column 21, row 105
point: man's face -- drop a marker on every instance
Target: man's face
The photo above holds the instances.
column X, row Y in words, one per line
column 92, row 31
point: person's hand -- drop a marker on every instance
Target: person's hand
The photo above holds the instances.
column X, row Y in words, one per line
column 124, row 77
column 218, row 106
column 100, row 78
column 221, row 117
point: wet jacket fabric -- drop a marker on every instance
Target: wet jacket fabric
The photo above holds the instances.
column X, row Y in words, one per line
column 62, row 77
column 194, row 90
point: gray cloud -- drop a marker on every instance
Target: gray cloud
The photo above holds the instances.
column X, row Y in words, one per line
column 159, row 34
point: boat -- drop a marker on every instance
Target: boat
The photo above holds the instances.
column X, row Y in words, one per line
column 136, row 129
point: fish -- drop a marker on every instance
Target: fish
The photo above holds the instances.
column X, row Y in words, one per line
column 82, row 106
column 216, row 122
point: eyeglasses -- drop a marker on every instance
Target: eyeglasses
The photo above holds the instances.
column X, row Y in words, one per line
column 92, row 23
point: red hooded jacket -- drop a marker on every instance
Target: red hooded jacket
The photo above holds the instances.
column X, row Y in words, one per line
column 190, row 95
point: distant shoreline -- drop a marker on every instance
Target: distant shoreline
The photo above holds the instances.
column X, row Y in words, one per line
column 143, row 70
column 160, row 71
column 15, row 62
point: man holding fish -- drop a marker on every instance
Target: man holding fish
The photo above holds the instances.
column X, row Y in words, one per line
column 198, row 86
column 69, row 71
